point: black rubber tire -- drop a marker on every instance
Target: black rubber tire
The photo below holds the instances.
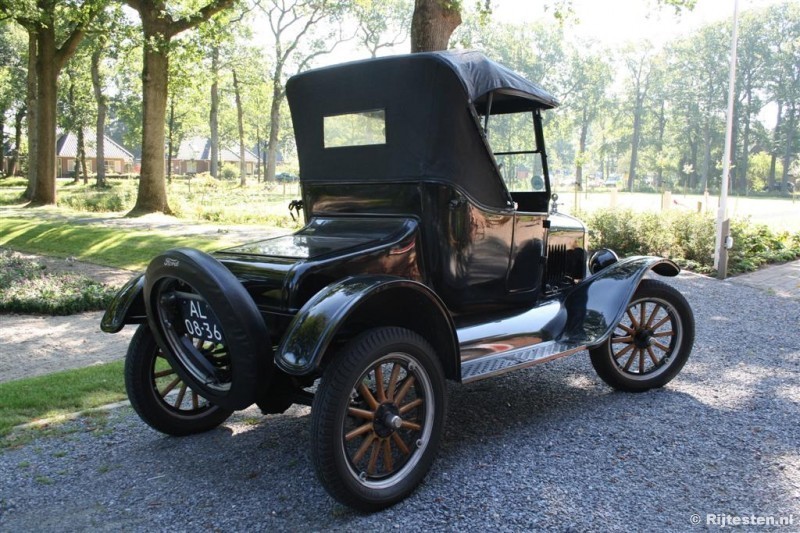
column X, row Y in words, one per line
column 147, row 401
column 606, row 365
column 329, row 413
column 245, row 334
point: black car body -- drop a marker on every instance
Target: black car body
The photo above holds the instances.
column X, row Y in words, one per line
column 423, row 225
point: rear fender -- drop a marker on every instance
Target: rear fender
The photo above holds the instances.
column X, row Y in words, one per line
column 366, row 301
column 596, row 305
column 127, row 307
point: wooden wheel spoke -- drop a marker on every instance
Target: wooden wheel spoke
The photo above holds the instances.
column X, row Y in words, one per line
column 398, row 440
column 656, row 308
column 664, row 333
column 393, row 381
column 652, row 355
column 361, row 413
column 634, row 323
column 631, row 358
column 195, row 401
column 642, row 312
column 626, row 329
column 373, row 457
column 407, row 384
column 162, row 373
column 181, row 394
column 627, row 340
column 659, row 345
column 411, row 425
column 360, row 430
column 660, row 323
column 411, row 405
column 363, row 448
column 624, row 351
column 387, row 456
column 379, row 389
column 641, row 361
column 367, row 395
column 169, row 387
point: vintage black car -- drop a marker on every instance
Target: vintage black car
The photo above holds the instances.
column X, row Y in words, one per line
column 431, row 252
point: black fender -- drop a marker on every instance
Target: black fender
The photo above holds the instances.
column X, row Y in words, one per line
column 375, row 300
column 596, row 305
column 127, row 307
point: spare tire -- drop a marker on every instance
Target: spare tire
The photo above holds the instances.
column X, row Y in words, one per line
column 208, row 327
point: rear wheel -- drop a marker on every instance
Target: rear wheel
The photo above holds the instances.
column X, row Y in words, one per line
column 377, row 418
column 159, row 396
column 651, row 343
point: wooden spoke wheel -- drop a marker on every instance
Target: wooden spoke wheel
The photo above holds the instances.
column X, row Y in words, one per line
column 651, row 343
column 377, row 418
column 160, row 397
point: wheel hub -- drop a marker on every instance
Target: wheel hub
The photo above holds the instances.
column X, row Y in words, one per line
column 387, row 420
column 643, row 338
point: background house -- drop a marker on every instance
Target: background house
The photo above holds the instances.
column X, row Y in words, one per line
column 117, row 159
column 194, row 156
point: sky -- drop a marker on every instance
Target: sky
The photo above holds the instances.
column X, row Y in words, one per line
column 615, row 22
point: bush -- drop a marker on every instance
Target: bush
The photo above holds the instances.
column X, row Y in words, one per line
column 229, row 172
column 688, row 238
column 26, row 287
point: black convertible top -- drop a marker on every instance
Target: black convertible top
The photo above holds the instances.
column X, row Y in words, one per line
column 430, row 104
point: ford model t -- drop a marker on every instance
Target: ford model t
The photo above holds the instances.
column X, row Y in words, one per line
column 432, row 250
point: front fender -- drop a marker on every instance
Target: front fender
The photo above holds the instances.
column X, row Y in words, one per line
column 127, row 307
column 596, row 305
column 320, row 319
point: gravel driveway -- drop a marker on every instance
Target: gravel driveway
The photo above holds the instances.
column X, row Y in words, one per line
column 546, row 448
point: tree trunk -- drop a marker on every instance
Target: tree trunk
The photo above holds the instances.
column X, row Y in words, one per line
column 258, row 154
column 787, row 152
column 706, row 153
column 170, row 145
column 662, row 124
column 774, row 150
column 432, row 24
column 214, row 113
column 637, row 131
column 744, row 162
column 274, row 127
column 12, row 164
column 2, row 143
column 44, row 191
column 152, row 193
column 240, row 122
column 32, row 105
column 82, row 156
column 581, row 150
column 100, row 125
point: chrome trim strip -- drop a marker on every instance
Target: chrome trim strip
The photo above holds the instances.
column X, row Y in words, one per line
column 494, row 365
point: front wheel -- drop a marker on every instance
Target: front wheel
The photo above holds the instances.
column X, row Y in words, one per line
column 651, row 343
column 159, row 396
column 377, row 418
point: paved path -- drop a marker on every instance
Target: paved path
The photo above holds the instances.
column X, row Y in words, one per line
column 780, row 280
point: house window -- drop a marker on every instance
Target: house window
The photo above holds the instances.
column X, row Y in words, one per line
column 355, row 129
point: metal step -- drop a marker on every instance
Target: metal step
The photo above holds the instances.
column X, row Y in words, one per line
column 495, row 364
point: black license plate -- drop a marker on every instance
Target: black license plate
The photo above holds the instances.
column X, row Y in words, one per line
column 199, row 320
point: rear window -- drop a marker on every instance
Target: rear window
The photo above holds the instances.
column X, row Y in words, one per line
column 355, row 129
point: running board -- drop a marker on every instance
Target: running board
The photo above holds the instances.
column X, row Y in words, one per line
column 496, row 364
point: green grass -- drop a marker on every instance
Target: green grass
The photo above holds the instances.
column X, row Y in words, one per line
column 131, row 249
column 59, row 394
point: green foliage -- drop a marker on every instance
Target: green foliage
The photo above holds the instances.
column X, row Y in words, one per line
column 229, row 172
column 688, row 238
column 94, row 200
column 13, row 181
column 26, row 287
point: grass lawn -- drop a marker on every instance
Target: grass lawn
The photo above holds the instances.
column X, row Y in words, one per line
column 61, row 393
column 123, row 248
